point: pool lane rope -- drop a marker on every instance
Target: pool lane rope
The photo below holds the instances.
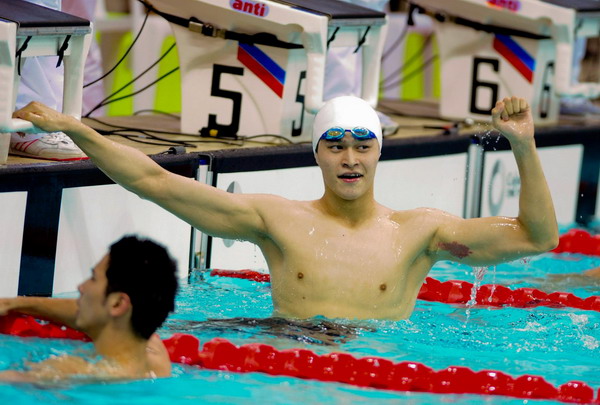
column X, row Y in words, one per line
column 460, row 292
column 374, row 372
column 579, row 241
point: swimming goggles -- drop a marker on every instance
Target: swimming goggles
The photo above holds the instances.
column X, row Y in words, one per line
column 337, row 133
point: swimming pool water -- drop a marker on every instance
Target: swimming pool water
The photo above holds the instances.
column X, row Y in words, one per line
column 559, row 344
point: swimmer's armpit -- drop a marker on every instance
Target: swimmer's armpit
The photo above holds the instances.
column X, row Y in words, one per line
column 455, row 249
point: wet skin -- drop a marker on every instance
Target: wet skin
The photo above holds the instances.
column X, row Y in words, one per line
column 367, row 266
column 343, row 255
column 123, row 354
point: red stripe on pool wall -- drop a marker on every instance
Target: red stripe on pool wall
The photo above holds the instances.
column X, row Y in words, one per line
column 513, row 60
column 260, row 71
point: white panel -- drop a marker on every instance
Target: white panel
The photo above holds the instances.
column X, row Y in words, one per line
column 92, row 218
column 501, row 183
column 399, row 185
column 300, row 183
column 12, row 219
column 304, row 183
column 436, row 182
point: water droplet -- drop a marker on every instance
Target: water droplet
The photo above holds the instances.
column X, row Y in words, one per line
column 493, row 283
column 479, row 273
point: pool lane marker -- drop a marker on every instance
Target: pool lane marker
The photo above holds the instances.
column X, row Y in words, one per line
column 459, row 292
column 374, row 372
column 579, row 241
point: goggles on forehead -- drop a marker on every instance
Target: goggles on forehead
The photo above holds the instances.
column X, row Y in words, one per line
column 337, row 133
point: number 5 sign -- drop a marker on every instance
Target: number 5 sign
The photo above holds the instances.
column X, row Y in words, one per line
column 235, row 88
column 252, row 92
column 247, row 90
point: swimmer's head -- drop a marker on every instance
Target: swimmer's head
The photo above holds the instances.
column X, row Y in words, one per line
column 348, row 113
column 144, row 271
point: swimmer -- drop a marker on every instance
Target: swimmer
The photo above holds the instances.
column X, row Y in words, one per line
column 128, row 296
column 343, row 255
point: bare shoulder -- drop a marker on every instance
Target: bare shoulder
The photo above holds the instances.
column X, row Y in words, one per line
column 158, row 357
column 269, row 204
column 424, row 216
column 60, row 367
column 55, row 368
column 266, row 199
column 426, row 224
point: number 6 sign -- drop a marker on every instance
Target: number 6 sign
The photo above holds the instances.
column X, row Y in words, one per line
column 480, row 68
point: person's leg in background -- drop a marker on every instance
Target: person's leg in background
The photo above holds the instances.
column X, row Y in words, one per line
column 343, row 70
column 42, row 81
column 93, row 94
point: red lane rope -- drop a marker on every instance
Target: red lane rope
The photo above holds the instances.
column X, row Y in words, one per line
column 375, row 372
column 27, row 326
column 244, row 274
column 578, row 241
column 459, row 292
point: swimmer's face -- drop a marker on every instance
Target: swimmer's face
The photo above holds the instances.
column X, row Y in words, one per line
column 348, row 165
column 92, row 304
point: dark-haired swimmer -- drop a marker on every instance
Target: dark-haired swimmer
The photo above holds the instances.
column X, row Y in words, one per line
column 128, row 296
column 343, row 255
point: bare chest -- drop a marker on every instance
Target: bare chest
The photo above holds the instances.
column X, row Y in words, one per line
column 322, row 267
column 331, row 255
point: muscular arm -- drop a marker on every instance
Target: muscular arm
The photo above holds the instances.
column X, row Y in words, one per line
column 484, row 241
column 59, row 310
column 213, row 211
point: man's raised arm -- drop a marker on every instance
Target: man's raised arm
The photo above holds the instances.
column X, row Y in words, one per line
column 482, row 241
column 213, row 211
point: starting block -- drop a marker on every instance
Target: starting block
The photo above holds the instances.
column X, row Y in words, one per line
column 258, row 67
column 27, row 30
column 490, row 49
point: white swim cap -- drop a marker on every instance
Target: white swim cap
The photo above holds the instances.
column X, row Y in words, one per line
column 347, row 112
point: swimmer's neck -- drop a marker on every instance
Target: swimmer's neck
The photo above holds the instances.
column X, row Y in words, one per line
column 122, row 346
column 354, row 212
